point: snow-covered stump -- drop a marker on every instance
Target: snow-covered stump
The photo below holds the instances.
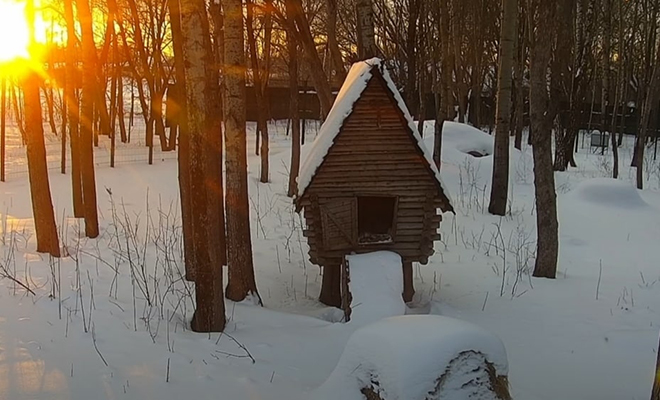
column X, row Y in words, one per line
column 420, row 357
column 372, row 287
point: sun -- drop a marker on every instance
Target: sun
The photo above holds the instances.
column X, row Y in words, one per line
column 14, row 31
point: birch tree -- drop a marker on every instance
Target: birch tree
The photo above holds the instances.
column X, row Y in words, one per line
column 198, row 65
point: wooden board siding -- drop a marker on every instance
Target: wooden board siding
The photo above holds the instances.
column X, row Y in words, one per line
column 374, row 154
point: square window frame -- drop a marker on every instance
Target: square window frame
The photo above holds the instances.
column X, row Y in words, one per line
column 394, row 218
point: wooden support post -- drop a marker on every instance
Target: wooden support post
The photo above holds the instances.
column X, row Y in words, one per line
column 408, row 286
column 331, row 286
column 346, row 296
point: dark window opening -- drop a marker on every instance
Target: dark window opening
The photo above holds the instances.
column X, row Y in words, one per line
column 376, row 219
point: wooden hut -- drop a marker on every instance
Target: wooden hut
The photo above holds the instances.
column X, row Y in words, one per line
column 369, row 182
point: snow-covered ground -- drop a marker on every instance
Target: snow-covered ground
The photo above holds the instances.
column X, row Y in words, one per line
column 104, row 325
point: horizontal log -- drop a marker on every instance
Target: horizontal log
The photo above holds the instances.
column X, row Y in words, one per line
column 389, row 177
column 375, row 158
column 408, row 167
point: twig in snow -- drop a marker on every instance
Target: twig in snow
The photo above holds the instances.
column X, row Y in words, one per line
column 97, row 348
column 239, row 344
column 600, row 273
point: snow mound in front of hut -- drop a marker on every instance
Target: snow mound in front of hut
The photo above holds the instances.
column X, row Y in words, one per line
column 410, row 357
column 608, row 193
column 376, row 285
column 466, row 139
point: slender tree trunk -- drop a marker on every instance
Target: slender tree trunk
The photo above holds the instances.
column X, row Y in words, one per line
column 73, row 109
column 42, row 203
column 239, row 245
column 366, row 35
column 655, row 393
column 333, row 45
column 547, row 247
column 649, row 103
column 618, row 98
column 445, row 101
column 87, row 120
column 184, row 140
column 606, row 68
column 321, row 83
column 64, row 124
column 521, row 49
column 50, row 106
column 260, row 73
column 198, row 59
column 3, row 126
column 500, row 184
column 292, row 46
column 411, row 55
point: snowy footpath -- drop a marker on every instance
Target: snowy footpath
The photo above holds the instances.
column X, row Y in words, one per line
column 110, row 320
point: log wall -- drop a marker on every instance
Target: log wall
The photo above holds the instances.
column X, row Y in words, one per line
column 373, row 155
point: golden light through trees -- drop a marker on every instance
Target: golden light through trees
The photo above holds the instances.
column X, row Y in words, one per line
column 14, row 33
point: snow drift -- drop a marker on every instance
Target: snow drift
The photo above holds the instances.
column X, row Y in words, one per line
column 608, row 193
column 419, row 357
column 466, row 139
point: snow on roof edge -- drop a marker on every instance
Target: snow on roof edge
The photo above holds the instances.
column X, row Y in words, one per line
column 355, row 83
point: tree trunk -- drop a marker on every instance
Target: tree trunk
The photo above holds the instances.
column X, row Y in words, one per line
column 649, row 103
column 239, row 245
column 500, row 184
column 411, row 55
column 260, row 74
column 519, row 69
column 366, row 35
column 292, row 46
column 333, row 45
column 73, row 110
column 50, row 106
column 42, row 203
column 184, row 140
column 87, row 120
column 198, row 59
column 321, row 83
column 655, row 393
column 547, row 247
column 444, row 101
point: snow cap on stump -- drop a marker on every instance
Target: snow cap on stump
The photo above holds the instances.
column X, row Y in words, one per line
column 410, row 357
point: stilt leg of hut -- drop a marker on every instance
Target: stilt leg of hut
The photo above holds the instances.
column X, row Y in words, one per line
column 330, row 286
column 408, row 287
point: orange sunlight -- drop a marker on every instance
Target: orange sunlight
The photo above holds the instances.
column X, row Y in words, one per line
column 14, row 31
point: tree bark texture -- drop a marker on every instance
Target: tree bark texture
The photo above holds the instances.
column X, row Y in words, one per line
column 198, row 59
column 42, row 203
column 547, row 246
column 239, row 245
column 73, row 111
column 87, row 120
column 500, row 183
column 292, row 46
column 366, row 35
column 183, row 159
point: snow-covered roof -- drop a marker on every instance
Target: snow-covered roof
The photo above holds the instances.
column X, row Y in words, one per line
column 356, row 82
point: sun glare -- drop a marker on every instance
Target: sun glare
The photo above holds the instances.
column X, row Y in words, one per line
column 14, row 34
